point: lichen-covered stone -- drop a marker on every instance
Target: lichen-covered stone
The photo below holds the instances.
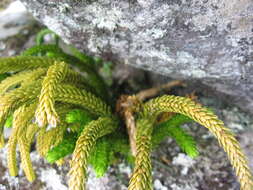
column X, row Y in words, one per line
column 211, row 170
column 210, row 41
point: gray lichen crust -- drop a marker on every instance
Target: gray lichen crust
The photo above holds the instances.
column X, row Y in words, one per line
column 210, row 41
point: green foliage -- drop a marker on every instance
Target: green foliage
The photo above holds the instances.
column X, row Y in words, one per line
column 79, row 116
column 120, row 145
column 108, row 150
column 64, row 148
column 106, row 71
column 172, row 128
column 8, row 122
column 41, row 35
column 84, row 58
column 101, row 156
column 105, row 152
column 49, row 50
column 69, row 112
column 3, row 76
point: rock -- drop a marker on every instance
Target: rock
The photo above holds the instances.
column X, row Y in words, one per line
column 17, row 29
column 13, row 20
column 210, row 170
column 209, row 41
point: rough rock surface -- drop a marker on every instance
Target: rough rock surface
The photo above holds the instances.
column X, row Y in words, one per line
column 172, row 170
column 210, row 41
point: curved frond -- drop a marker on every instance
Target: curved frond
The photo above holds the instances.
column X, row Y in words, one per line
column 53, row 51
column 45, row 112
column 98, row 83
column 141, row 178
column 30, row 75
column 17, row 97
column 42, row 50
column 84, row 145
column 42, row 142
column 22, row 117
column 24, row 148
column 206, row 118
column 47, row 139
column 70, row 94
column 40, row 36
column 31, row 131
column 84, row 58
column 21, row 63
column 79, row 81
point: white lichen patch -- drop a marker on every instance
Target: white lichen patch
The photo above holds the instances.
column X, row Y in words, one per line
column 188, row 63
column 161, row 54
column 179, row 187
column 185, row 161
column 158, row 33
column 185, row 58
column 223, row 14
column 123, row 168
column 105, row 19
column 55, row 25
column 2, row 187
column 159, row 186
column 107, row 182
column 3, row 153
column 52, row 180
column 145, row 3
column 233, row 119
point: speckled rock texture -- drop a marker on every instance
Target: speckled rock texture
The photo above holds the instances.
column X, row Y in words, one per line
column 209, row 41
column 172, row 170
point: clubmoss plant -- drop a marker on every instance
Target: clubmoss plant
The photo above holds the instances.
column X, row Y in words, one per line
column 59, row 101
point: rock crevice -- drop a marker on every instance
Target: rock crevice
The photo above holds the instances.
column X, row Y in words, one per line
column 210, row 41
